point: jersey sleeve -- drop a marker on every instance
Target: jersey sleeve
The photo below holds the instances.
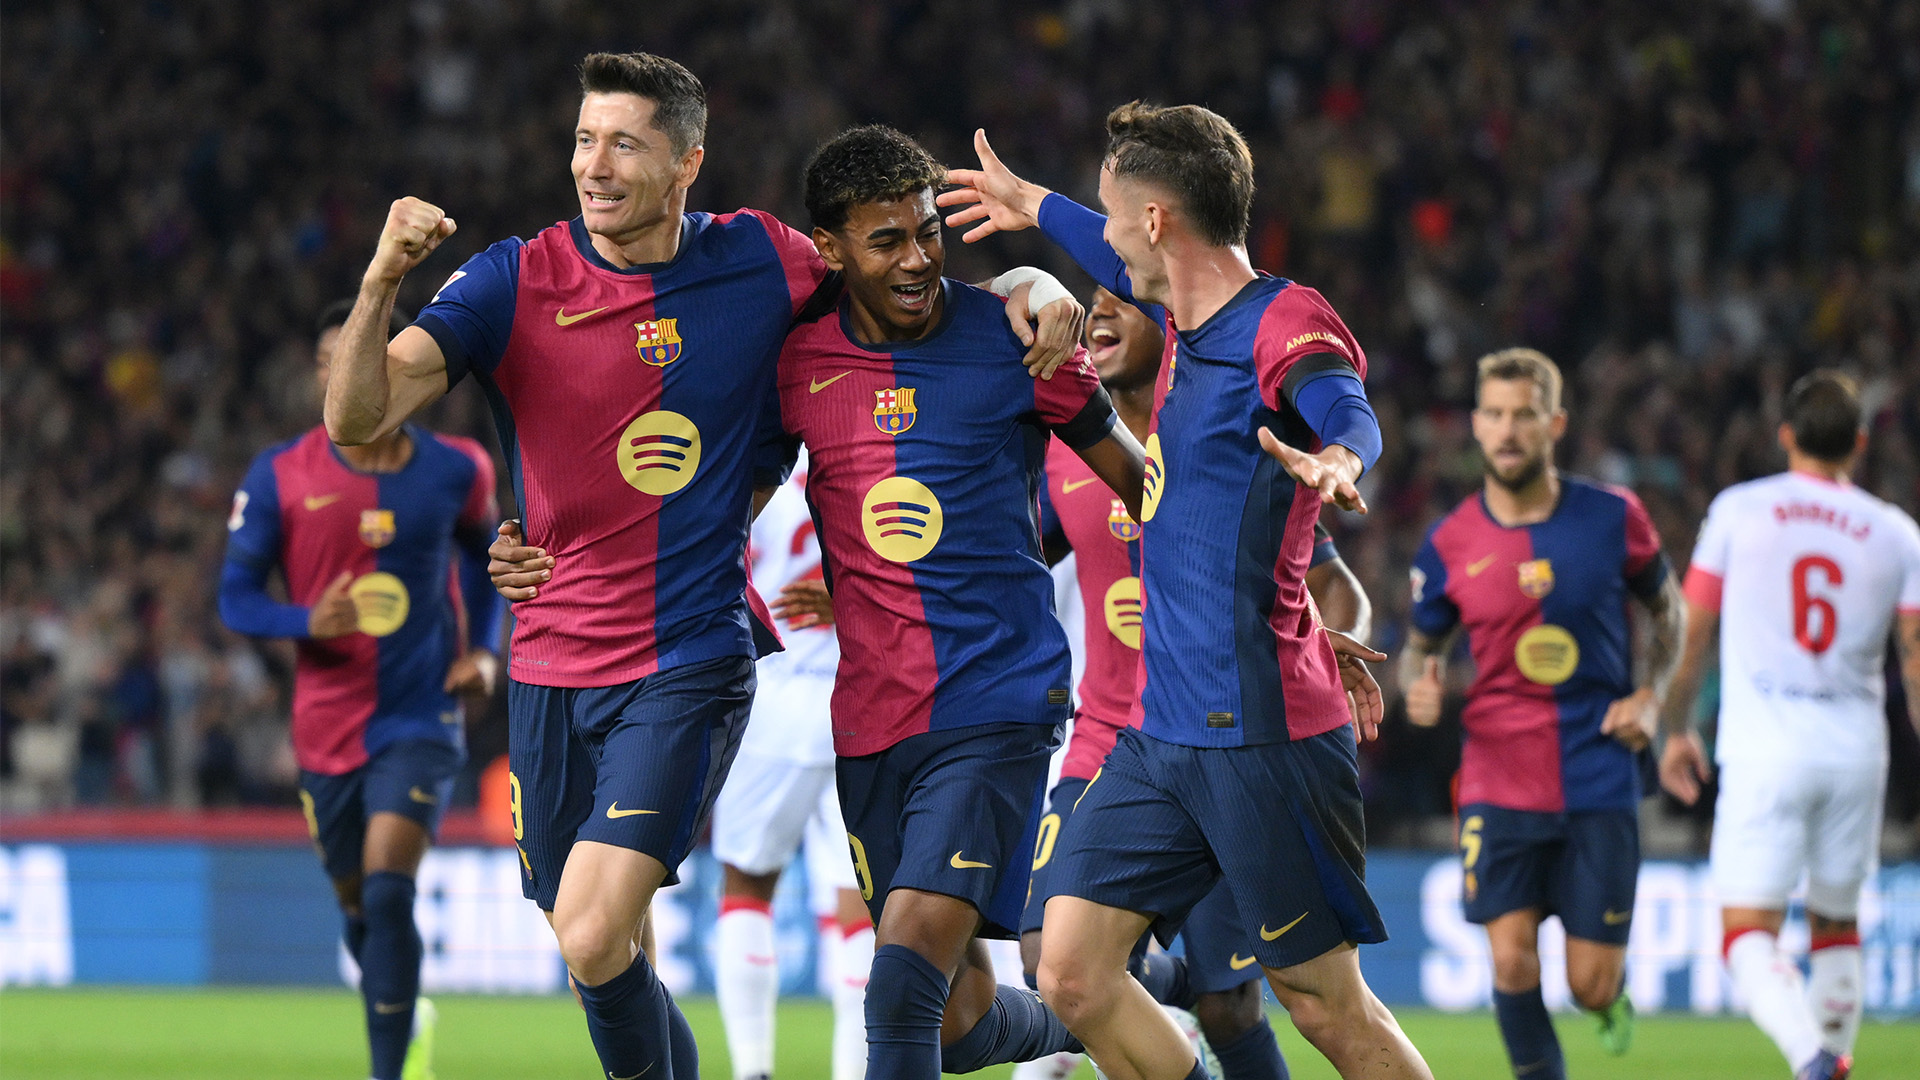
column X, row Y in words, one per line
column 472, row 533
column 1080, row 232
column 1074, row 404
column 471, row 317
column 1645, row 568
column 800, row 260
column 774, row 450
column 1323, row 550
column 1433, row 614
column 1300, row 339
column 253, row 550
column 1910, row 563
column 1708, row 567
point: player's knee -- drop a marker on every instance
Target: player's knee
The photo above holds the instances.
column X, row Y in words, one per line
column 1072, row 989
column 1595, row 988
column 1229, row 1014
column 594, row 949
column 387, row 896
column 1515, row 970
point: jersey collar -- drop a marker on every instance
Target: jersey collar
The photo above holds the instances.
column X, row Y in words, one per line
column 583, row 243
column 946, row 319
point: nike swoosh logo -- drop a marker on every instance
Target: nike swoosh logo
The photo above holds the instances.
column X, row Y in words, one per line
column 561, row 318
column 614, row 811
column 1615, row 918
column 959, row 863
column 422, row 797
column 635, row 1076
column 315, row 502
column 1474, row 569
column 1068, row 487
column 1238, row 964
column 385, row 1009
column 1269, row 935
column 815, row 386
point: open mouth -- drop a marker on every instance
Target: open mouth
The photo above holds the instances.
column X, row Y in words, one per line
column 914, row 297
column 1102, row 341
column 601, row 200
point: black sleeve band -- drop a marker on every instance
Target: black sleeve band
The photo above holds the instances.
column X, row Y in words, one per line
column 825, row 297
column 1305, row 368
column 1091, row 424
column 1646, row 584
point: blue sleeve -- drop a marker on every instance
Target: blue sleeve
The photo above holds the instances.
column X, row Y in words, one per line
column 1051, row 532
column 1433, row 613
column 774, row 451
column 484, row 605
column 247, row 609
column 253, row 550
column 1334, row 404
column 471, row 316
column 1323, row 550
column 1080, row 232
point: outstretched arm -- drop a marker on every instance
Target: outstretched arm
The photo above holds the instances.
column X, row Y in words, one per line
column 998, row 201
column 377, row 385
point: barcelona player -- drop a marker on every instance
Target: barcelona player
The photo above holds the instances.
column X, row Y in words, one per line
column 925, row 439
column 628, row 356
column 1801, row 575
column 362, row 536
column 1537, row 568
column 1242, row 766
column 1222, row 985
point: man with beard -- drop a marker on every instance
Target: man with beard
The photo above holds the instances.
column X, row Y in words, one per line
column 1537, row 568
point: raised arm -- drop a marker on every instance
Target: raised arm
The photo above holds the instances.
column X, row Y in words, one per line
column 378, row 384
column 998, row 201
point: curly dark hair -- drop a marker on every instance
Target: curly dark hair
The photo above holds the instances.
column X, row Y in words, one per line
column 872, row 163
column 1196, row 155
column 679, row 101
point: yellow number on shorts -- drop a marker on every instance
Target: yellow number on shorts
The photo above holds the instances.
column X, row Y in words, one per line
column 860, row 868
column 1470, row 840
column 513, row 804
column 1043, row 847
column 313, row 820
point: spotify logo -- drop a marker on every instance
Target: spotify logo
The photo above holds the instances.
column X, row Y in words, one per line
column 381, row 601
column 901, row 518
column 1123, row 611
column 659, row 452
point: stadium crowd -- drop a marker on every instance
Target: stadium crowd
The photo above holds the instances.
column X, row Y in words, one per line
column 1686, row 205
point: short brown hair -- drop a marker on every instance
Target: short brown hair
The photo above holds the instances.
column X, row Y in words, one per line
column 1193, row 153
column 679, row 101
column 873, row 163
column 1823, row 408
column 1524, row 363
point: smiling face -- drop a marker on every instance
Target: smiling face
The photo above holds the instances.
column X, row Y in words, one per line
column 1516, row 431
column 625, row 172
column 1135, row 216
column 892, row 255
column 1123, row 343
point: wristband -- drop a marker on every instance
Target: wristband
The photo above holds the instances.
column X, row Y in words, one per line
column 1046, row 287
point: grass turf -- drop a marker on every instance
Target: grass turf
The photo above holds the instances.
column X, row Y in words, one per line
column 284, row 1035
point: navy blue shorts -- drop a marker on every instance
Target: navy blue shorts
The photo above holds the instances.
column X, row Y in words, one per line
column 412, row 778
column 1279, row 822
column 1060, row 802
column 636, row 765
column 950, row 812
column 1218, row 945
column 1582, row 866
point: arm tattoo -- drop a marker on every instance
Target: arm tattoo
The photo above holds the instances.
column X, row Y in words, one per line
column 1666, row 630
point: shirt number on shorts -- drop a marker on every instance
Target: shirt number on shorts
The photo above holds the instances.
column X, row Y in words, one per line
column 1815, row 640
column 1470, row 840
column 860, row 868
column 1043, row 845
column 513, row 804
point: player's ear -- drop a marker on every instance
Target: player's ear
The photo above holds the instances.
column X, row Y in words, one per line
column 1558, row 425
column 829, row 248
column 689, row 169
column 1156, row 222
column 1786, row 438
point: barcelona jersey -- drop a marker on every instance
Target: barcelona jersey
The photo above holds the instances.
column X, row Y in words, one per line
column 302, row 508
column 1545, row 611
column 627, row 402
column 923, row 465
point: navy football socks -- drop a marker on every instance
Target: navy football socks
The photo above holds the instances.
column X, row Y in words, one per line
column 389, row 968
column 1253, row 1055
column 906, row 997
column 1018, row 1027
column 355, row 935
column 1527, row 1029
column 630, row 1019
column 1199, row 1071
column 1165, row 978
column 681, row 1047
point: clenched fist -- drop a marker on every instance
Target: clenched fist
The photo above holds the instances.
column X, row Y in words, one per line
column 414, row 228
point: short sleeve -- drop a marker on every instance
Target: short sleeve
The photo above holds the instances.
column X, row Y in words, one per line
column 253, row 525
column 1074, row 404
column 1645, row 569
column 774, row 450
column 1434, row 614
column 1910, row 564
column 471, row 317
column 799, row 259
column 482, row 508
column 1708, row 567
column 1301, row 337
column 1323, row 550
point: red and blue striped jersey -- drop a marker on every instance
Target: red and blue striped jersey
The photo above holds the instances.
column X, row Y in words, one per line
column 923, row 462
column 628, row 401
column 303, row 509
column 1545, row 611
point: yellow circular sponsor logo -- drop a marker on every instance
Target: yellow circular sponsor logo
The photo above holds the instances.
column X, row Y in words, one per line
column 1123, row 611
column 659, row 452
column 902, row 519
column 1547, row 654
column 1156, row 479
column 381, row 599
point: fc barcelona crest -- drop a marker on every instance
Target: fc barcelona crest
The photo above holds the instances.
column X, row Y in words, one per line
column 376, row 528
column 1121, row 524
column 893, row 410
column 659, row 341
column 1536, row 578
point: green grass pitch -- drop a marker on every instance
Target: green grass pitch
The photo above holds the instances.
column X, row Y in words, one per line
column 315, row 1035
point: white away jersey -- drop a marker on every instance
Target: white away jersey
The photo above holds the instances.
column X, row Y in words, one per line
column 1807, row 575
column 790, row 718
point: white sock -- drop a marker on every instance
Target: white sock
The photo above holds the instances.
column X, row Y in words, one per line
column 1058, row 1066
column 852, row 959
column 1776, row 995
column 747, row 979
column 1833, row 989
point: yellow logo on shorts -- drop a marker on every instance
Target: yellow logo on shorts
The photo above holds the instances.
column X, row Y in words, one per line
column 381, row 601
column 901, row 518
column 1156, row 480
column 376, row 528
column 1547, row 654
column 1123, row 611
column 659, row 452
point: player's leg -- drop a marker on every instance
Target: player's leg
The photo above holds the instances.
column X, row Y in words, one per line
column 1847, row 823
column 1331, row 1005
column 847, row 939
column 1758, row 849
column 1506, row 857
column 1083, row 977
column 1594, row 884
column 1229, row 993
column 757, row 824
column 337, row 821
column 1060, row 803
column 1519, row 1007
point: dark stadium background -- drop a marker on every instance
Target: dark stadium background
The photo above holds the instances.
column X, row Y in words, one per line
column 1686, row 204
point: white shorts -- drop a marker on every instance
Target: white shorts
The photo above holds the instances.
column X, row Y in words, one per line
column 1777, row 820
column 767, row 807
